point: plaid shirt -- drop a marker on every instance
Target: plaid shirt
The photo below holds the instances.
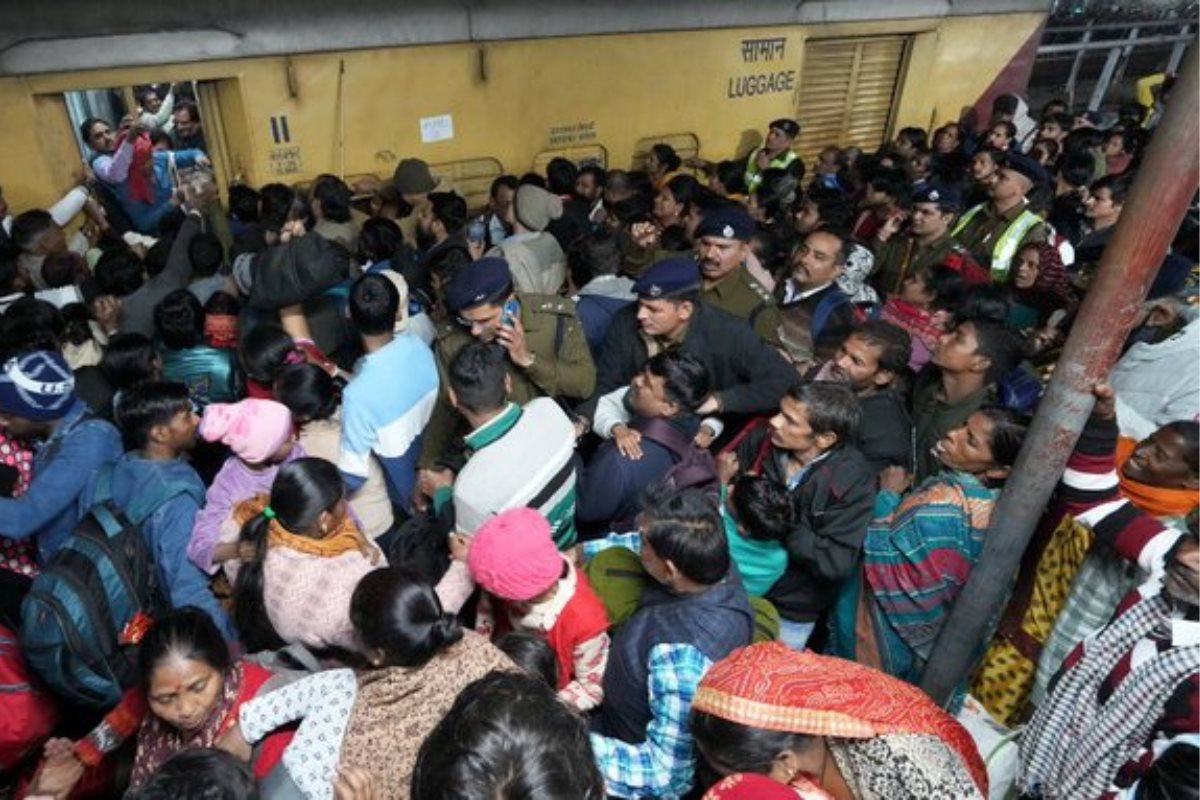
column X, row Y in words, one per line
column 630, row 541
column 663, row 765
column 1104, row 577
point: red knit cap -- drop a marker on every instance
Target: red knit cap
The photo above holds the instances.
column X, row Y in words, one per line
column 513, row 555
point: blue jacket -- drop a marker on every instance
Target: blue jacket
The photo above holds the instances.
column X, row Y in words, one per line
column 610, row 489
column 145, row 216
column 62, row 466
column 596, row 306
column 611, row 485
column 168, row 530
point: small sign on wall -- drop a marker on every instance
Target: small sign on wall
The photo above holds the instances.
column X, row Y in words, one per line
column 437, row 129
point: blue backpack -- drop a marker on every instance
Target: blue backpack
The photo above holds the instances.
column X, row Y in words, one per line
column 82, row 618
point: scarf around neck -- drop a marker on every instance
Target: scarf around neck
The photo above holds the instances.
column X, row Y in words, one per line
column 1154, row 500
column 158, row 740
column 346, row 538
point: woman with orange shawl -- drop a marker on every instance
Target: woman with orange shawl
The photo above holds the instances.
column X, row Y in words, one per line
column 830, row 730
column 302, row 555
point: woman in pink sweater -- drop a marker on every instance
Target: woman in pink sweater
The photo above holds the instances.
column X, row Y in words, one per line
column 260, row 437
column 302, row 556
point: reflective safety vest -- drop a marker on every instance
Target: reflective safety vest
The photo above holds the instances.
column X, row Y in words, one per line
column 753, row 174
column 1007, row 242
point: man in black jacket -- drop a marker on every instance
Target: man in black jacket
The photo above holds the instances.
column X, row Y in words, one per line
column 872, row 362
column 811, row 297
column 441, row 234
column 648, row 428
column 748, row 377
column 808, row 448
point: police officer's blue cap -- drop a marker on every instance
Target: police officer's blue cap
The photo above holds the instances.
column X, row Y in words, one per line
column 482, row 281
column 726, row 222
column 1028, row 167
column 669, row 278
column 947, row 197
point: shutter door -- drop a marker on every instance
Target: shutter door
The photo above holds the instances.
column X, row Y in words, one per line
column 846, row 91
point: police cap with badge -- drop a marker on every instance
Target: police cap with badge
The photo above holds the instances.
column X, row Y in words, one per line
column 669, row 279
column 947, row 198
column 1031, row 170
column 482, row 282
column 727, row 222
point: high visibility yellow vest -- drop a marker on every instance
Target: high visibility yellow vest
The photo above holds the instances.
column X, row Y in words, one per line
column 753, row 174
column 1007, row 242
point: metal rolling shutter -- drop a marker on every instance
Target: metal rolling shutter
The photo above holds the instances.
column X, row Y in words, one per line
column 846, row 92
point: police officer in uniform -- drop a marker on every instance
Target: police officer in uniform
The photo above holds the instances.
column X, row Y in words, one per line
column 547, row 351
column 748, row 375
column 775, row 153
column 927, row 242
column 994, row 231
column 722, row 239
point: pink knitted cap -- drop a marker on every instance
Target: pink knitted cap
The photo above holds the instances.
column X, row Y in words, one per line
column 513, row 557
column 253, row 429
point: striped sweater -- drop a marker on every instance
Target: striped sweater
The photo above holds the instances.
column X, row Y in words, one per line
column 523, row 457
column 917, row 557
column 1091, row 482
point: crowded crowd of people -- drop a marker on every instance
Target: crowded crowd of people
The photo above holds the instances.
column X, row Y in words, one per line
column 658, row 482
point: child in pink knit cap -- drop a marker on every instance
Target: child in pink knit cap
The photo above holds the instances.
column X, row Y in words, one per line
column 530, row 587
column 261, row 437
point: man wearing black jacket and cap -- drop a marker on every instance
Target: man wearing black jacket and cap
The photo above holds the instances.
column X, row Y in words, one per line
column 748, row 376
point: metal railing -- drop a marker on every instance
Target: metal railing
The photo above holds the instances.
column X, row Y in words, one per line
column 1119, row 40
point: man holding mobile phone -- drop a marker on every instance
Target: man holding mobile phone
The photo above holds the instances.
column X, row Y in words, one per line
column 926, row 242
column 547, row 352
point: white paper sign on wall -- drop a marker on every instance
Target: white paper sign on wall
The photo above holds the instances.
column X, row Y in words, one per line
column 437, row 129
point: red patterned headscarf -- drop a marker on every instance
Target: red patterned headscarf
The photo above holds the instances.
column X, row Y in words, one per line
column 1051, row 289
column 221, row 331
column 773, row 687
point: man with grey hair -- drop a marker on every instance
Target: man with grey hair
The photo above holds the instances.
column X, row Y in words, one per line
column 1157, row 380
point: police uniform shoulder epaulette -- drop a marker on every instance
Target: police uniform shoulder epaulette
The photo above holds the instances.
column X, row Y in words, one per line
column 550, row 304
column 759, row 289
column 446, row 331
column 756, row 287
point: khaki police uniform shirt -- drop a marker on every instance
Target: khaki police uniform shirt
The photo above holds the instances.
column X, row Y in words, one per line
column 739, row 294
column 901, row 256
column 565, row 370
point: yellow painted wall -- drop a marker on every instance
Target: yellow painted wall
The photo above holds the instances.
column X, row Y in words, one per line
column 607, row 90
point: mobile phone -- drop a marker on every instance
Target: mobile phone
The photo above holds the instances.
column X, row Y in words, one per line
column 512, row 310
column 476, row 231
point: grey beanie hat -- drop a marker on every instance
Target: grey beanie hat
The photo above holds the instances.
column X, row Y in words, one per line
column 536, row 207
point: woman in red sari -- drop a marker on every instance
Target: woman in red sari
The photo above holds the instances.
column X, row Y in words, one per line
column 829, row 729
column 191, row 693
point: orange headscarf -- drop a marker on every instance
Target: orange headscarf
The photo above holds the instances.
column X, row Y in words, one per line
column 1154, row 500
column 773, row 687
